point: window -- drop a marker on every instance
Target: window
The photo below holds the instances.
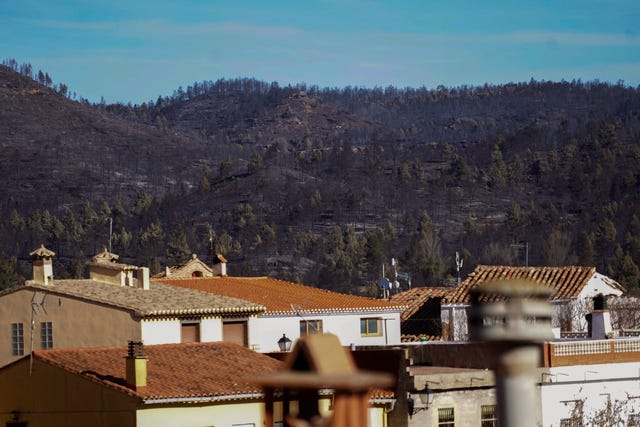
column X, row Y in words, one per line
column 445, row 417
column 190, row 332
column 308, row 327
column 488, row 416
column 17, row 339
column 370, row 326
column 236, row 331
column 46, row 335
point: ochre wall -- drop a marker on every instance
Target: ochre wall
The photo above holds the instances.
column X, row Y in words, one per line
column 52, row 397
column 75, row 323
column 220, row 414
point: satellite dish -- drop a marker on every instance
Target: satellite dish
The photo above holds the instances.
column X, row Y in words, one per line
column 384, row 284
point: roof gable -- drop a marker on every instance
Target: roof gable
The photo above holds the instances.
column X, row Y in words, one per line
column 280, row 297
column 566, row 282
column 198, row 371
column 415, row 298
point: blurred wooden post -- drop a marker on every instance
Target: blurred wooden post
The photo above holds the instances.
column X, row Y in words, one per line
column 319, row 362
column 515, row 316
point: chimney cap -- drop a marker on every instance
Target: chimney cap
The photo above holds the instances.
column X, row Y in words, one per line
column 42, row 252
column 105, row 256
column 135, row 349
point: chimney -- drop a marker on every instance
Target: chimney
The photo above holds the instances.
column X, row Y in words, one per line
column 219, row 265
column 42, row 265
column 136, row 365
column 143, row 277
column 599, row 319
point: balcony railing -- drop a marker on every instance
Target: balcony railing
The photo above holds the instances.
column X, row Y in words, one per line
column 589, row 352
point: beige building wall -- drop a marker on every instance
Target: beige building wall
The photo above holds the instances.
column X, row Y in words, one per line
column 52, row 397
column 111, row 275
column 75, row 323
column 466, row 405
column 222, row 414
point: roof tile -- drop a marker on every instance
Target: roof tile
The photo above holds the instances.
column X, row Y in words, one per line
column 158, row 300
column 415, row 298
column 174, row 371
column 567, row 281
column 279, row 296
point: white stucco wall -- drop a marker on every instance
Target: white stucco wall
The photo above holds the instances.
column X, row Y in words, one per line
column 211, row 329
column 599, row 284
column 167, row 331
column 593, row 384
column 265, row 331
column 162, row 331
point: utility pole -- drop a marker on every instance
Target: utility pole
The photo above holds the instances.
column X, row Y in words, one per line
column 110, row 232
column 523, row 244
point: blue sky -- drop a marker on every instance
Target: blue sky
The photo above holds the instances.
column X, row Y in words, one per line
column 135, row 50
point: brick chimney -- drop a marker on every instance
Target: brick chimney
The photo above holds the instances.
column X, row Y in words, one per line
column 42, row 265
column 136, row 363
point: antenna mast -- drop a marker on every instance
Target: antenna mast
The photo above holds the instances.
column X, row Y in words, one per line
column 37, row 308
column 459, row 262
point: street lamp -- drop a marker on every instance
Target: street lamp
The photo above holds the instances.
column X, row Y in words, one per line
column 284, row 343
column 425, row 398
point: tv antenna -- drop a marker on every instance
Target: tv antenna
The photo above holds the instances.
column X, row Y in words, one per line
column 37, row 309
column 459, row 262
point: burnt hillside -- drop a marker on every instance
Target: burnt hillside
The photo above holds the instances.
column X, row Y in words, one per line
column 326, row 185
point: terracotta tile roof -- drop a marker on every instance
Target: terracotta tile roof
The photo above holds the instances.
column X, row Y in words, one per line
column 158, row 300
column 567, row 282
column 421, row 338
column 415, row 298
column 279, row 296
column 184, row 372
column 381, row 394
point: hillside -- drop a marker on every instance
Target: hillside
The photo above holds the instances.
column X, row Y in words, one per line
column 326, row 185
column 56, row 151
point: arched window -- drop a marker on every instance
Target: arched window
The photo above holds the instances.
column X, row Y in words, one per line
column 197, row 273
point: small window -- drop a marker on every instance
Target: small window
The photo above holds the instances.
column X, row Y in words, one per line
column 190, row 332
column 445, row 417
column 488, row 416
column 308, row 327
column 17, row 339
column 370, row 326
column 46, row 335
column 570, row 422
